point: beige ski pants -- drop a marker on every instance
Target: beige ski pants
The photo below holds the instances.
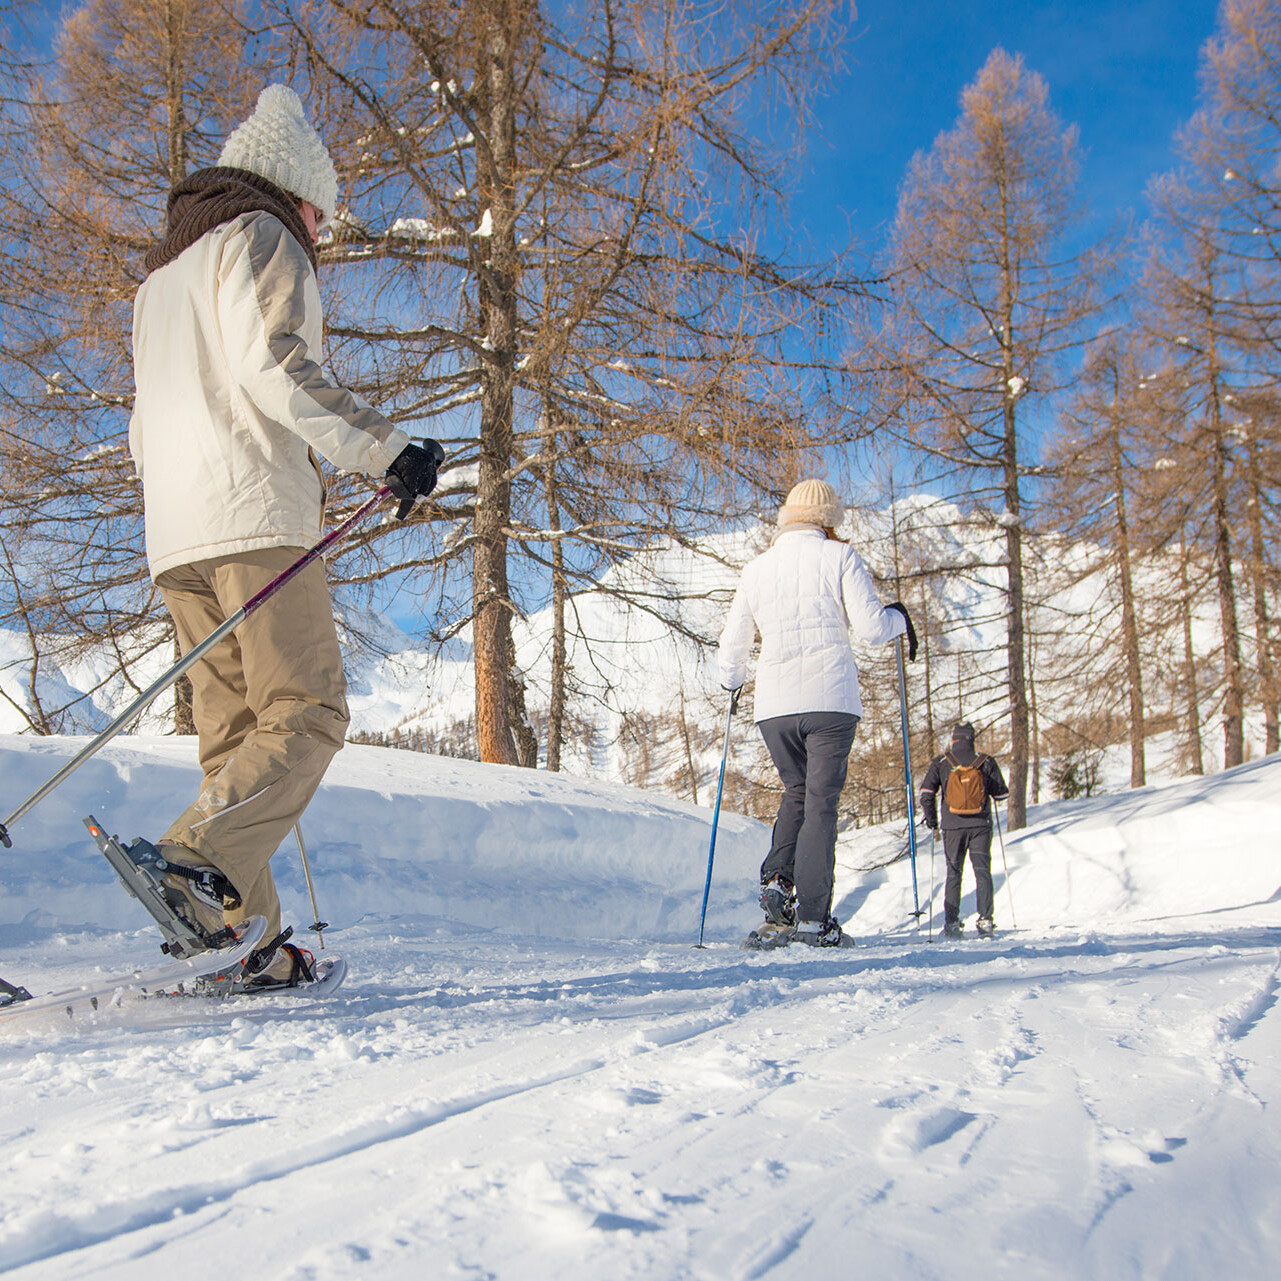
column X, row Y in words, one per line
column 270, row 710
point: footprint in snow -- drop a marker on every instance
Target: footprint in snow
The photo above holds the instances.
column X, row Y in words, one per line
column 910, row 1134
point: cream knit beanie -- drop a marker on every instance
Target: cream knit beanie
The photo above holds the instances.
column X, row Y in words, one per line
column 278, row 143
column 812, row 502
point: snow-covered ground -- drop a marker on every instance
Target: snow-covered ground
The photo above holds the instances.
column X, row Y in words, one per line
column 531, row 1073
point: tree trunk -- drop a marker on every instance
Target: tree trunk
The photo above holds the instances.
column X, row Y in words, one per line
column 1196, row 764
column 525, row 738
column 689, row 753
column 1233, row 693
column 1015, row 664
column 492, row 625
column 492, row 608
column 175, row 76
column 184, row 721
column 925, row 654
column 556, row 711
column 1035, row 732
column 1129, row 622
column 1268, row 692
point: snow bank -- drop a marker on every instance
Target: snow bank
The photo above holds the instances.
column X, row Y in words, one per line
column 392, row 834
column 526, row 852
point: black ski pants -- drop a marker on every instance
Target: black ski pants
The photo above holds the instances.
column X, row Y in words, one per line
column 977, row 841
column 811, row 753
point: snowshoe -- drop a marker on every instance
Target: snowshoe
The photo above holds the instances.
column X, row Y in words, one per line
column 825, row 933
column 985, row 927
column 277, row 966
column 953, row 929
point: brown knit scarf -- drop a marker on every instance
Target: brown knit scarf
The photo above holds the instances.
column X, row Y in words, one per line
column 210, row 197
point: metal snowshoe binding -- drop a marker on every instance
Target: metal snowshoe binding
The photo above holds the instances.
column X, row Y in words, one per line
column 11, row 995
column 186, row 902
column 276, row 966
column 824, row 933
column 778, row 901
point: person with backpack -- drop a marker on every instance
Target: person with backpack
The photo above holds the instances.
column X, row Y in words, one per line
column 805, row 596
column 968, row 782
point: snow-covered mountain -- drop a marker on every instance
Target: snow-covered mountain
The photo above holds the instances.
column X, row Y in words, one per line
column 532, row 1074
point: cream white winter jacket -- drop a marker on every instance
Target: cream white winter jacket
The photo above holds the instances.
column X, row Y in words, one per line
column 805, row 595
column 231, row 400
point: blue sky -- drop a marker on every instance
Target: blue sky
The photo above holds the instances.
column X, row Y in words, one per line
column 1124, row 71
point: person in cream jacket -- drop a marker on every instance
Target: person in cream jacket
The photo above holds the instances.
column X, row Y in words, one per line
column 232, row 410
column 804, row 596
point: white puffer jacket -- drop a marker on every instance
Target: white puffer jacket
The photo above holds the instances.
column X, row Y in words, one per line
column 805, row 595
column 231, row 399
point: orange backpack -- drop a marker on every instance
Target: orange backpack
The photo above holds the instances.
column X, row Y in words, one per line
column 966, row 791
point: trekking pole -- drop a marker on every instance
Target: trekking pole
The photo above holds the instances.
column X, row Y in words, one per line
column 716, row 813
column 317, row 925
column 907, row 776
column 191, row 658
column 996, row 813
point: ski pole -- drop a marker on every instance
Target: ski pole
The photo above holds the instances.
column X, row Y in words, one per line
column 996, row 814
column 716, row 813
column 317, row 925
column 907, row 776
column 190, row 659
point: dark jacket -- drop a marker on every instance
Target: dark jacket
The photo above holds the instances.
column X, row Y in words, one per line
column 934, row 788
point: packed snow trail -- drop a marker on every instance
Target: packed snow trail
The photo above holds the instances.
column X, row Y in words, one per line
column 493, row 1098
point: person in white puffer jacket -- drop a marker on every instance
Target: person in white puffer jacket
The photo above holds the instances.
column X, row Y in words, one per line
column 805, row 595
column 232, row 408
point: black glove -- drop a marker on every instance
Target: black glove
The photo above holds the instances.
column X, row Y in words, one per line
column 911, row 631
column 413, row 473
column 930, row 811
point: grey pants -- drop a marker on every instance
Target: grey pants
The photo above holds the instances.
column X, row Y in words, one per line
column 811, row 753
column 977, row 842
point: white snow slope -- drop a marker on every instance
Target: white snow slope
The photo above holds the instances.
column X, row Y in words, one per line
column 531, row 1073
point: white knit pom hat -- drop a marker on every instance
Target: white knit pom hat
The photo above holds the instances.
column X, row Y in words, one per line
column 278, row 143
column 812, row 502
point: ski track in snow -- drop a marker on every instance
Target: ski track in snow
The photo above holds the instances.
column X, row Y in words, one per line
column 494, row 1103
column 595, row 1117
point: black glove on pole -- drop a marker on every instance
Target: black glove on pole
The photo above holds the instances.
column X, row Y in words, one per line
column 899, row 607
column 930, row 810
column 412, row 474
